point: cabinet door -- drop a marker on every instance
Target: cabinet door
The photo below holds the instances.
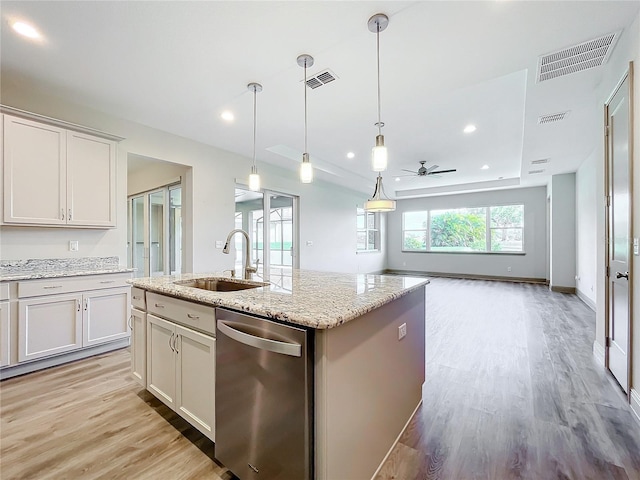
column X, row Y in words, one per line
column 49, row 325
column 34, row 172
column 161, row 359
column 5, row 341
column 138, row 325
column 91, row 181
column 105, row 315
column 195, row 379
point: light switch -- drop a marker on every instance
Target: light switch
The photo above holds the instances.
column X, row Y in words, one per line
column 636, row 246
column 73, row 245
column 309, row 243
column 219, row 244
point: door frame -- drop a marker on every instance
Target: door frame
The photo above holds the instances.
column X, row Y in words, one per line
column 608, row 241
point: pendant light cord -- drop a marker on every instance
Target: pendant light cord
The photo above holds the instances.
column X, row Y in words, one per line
column 255, row 93
column 305, row 106
column 378, row 62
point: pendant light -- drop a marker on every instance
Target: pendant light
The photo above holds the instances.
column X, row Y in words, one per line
column 306, row 169
column 377, row 24
column 254, row 178
column 379, row 202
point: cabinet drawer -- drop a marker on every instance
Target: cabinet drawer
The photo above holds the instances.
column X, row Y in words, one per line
column 4, row 291
column 199, row 317
column 35, row 288
column 137, row 298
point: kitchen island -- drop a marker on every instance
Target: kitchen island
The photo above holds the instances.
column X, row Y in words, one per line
column 366, row 377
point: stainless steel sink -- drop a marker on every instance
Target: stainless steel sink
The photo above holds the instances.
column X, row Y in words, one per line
column 220, row 284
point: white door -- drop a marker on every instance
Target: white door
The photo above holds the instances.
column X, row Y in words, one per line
column 5, row 342
column 105, row 315
column 91, row 181
column 49, row 325
column 161, row 359
column 34, row 172
column 195, row 380
column 619, row 152
column 138, row 325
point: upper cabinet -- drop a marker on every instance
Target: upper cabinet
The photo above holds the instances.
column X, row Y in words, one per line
column 56, row 176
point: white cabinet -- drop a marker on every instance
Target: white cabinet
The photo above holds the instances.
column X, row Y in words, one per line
column 49, row 325
column 5, row 339
column 138, row 326
column 105, row 315
column 54, row 176
column 181, row 371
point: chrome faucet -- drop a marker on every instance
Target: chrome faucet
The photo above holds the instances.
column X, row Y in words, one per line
column 248, row 268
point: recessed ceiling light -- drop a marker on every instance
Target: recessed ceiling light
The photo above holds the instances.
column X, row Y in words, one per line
column 227, row 116
column 469, row 129
column 485, row 167
column 26, row 30
column 351, row 155
column 397, row 179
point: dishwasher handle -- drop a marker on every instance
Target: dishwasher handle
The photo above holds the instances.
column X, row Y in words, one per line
column 275, row 346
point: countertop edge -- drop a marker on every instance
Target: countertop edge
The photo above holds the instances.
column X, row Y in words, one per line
column 75, row 273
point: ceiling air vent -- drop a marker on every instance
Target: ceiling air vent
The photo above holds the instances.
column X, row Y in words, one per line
column 553, row 117
column 322, row 78
column 574, row 59
column 539, row 162
column 533, row 172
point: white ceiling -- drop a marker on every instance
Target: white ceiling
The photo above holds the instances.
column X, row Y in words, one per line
column 177, row 65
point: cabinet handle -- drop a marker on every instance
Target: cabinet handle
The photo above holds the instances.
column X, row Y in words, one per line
column 194, row 317
column 47, row 287
column 136, row 298
column 109, row 281
column 69, row 215
column 62, row 214
column 171, row 338
column 86, row 304
column 159, row 305
column 129, row 322
column 175, row 344
column 78, row 301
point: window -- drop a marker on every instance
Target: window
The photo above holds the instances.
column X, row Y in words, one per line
column 477, row 230
column 368, row 237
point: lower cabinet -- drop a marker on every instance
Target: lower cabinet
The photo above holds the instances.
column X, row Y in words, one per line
column 138, row 326
column 181, row 371
column 105, row 315
column 5, row 339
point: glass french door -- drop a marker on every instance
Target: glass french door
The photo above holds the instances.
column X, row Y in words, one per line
column 155, row 232
column 270, row 220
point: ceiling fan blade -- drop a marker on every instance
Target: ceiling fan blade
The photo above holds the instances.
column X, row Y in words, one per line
column 411, row 175
column 432, row 168
column 442, row 171
column 410, row 171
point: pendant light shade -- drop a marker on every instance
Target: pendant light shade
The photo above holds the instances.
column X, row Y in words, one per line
column 254, row 177
column 379, row 202
column 379, row 156
column 306, row 169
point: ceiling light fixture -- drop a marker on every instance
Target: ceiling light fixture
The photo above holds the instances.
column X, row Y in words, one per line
column 379, row 202
column 351, row 155
column 469, row 129
column 254, row 178
column 379, row 155
column 484, row 167
column 397, row 179
column 306, row 169
column 227, row 116
column 26, row 30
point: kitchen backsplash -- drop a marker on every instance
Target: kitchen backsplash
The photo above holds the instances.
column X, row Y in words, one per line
column 10, row 267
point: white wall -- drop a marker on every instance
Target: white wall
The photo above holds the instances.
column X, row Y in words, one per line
column 154, row 174
column 530, row 265
column 563, row 230
column 327, row 212
column 586, row 242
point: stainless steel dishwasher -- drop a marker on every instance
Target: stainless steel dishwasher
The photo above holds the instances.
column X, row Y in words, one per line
column 264, row 398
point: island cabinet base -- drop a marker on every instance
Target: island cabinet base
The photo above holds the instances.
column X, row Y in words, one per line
column 368, row 385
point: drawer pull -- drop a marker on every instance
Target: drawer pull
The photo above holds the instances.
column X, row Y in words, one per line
column 159, row 305
column 108, row 281
column 194, row 317
column 47, row 287
column 136, row 298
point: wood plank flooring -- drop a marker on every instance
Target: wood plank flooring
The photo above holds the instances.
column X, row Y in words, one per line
column 512, row 391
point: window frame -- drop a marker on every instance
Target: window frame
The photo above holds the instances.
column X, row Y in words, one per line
column 488, row 232
column 366, row 230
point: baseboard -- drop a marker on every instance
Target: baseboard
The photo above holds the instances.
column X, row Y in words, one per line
column 598, row 352
column 586, row 300
column 635, row 403
column 559, row 289
column 467, row 276
column 396, row 440
column 24, row 368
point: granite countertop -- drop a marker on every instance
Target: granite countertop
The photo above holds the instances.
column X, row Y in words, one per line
column 34, row 275
column 313, row 299
column 32, row 269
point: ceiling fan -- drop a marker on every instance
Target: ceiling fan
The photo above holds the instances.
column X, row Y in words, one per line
column 425, row 171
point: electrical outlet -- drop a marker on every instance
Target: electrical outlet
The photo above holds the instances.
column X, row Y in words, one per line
column 636, row 246
column 309, row 243
column 219, row 244
column 73, row 246
column 508, row 269
column 402, row 331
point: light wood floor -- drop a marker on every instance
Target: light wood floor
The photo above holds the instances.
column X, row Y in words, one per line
column 512, row 391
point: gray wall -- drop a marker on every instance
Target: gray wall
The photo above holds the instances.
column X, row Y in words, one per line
column 563, row 230
column 530, row 265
